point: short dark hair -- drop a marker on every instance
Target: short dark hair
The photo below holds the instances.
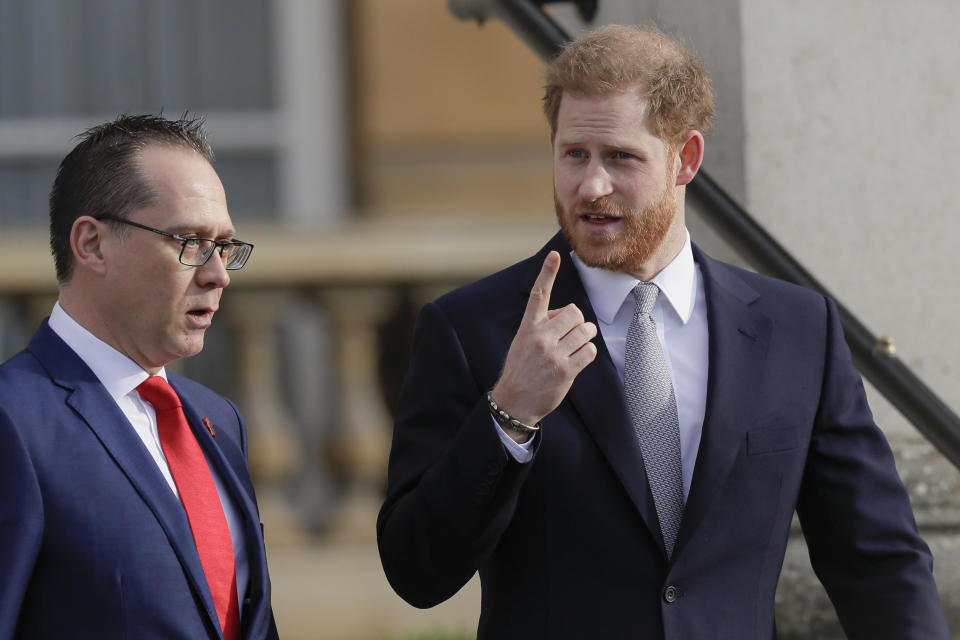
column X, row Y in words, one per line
column 102, row 174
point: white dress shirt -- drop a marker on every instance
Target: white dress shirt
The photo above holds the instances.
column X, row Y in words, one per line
column 681, row 318
column 121, row 376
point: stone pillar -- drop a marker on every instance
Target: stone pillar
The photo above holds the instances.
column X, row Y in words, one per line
column 311, row 59
column 269, row 430
column 362, row 445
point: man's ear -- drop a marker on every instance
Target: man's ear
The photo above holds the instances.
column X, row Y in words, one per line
column 690, row 152
column 86, row 243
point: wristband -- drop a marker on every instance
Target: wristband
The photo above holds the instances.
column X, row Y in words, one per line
column 503, row 418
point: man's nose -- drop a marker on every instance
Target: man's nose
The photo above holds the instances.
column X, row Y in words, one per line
column 596, row 182
column 214, row 272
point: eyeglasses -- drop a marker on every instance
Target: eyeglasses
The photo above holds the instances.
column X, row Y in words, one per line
column 195, row 252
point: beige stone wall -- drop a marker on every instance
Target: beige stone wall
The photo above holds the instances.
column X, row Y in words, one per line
column 446, row 115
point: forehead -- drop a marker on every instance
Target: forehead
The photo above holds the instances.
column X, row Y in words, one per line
column 189, row 194
column 619, row 116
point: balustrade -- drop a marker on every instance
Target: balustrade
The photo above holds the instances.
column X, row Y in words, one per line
column 356, row 275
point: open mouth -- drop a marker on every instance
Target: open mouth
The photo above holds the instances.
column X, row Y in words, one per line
column 200, row 318
column 203, row 314
column 598, row 217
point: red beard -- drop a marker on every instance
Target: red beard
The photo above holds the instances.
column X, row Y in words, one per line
column 628, row 248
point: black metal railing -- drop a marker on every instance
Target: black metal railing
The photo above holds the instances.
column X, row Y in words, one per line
column 874, row 357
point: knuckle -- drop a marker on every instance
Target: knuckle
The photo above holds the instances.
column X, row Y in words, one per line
column 585, row 355
column 576, row 336
column 539, row 343
column 583, row 333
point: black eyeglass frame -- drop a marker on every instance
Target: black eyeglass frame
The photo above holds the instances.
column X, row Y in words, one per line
column 217, row 245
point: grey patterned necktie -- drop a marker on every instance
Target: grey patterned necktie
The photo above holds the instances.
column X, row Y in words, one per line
column 653, row 411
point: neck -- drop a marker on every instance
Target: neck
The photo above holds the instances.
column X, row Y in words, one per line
column 665, row 254
column 83, row 309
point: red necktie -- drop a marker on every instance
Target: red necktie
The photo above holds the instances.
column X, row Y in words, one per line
column 198, row 493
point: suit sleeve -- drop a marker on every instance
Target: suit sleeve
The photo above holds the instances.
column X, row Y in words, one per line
column 856, row 515
column 241, row 429
column 21, row 524
column 452, row 488
column 271, row 625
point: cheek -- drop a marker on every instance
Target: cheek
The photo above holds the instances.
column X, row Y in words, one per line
column 565, row 184
column 642, row 191
column 166, row 297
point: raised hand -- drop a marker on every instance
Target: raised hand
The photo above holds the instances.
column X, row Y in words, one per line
column 551, row 347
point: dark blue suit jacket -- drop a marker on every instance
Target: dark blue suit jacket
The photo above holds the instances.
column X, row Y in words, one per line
column 568, row 546
column 93, row 543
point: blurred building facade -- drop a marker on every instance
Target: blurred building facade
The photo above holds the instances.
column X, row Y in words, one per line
column 380, row 152
column 269, row 77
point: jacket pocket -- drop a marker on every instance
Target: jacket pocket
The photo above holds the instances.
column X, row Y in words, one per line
column 774, row 439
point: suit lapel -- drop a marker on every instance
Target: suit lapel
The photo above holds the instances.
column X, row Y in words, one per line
column 738, row 341
column 90, row 400
column 596, row 395
column 227, row 457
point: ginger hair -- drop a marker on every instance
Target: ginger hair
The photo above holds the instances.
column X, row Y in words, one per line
column 617, row 58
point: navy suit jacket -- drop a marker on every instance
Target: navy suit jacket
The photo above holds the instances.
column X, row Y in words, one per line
column 93, row 543
column 568, row 545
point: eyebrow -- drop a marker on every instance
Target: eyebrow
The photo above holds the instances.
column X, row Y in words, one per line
column 183, row 230
column 615, row 146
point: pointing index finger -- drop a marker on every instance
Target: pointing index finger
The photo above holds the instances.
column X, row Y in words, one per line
column 539, row 301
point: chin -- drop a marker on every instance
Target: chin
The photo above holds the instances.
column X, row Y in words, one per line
column 186, row 348
column 193, row 350
column 603, row 252
column 593, row 254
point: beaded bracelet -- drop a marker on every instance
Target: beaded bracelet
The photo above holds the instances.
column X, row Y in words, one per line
column 505, row 420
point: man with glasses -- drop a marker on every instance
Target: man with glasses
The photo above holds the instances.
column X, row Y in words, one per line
column 126, row 506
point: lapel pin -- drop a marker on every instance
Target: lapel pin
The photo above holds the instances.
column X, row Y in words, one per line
column 209, row 426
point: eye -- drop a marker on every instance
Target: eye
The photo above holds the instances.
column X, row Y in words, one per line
column 623, row 155
column 191, row 243
column 576, row 153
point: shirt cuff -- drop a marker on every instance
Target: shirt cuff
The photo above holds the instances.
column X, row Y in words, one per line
column 519, row 452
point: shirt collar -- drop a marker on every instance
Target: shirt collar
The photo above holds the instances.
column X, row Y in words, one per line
column 118, row 373
column 607, row 290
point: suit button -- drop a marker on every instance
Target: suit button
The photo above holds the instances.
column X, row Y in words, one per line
column 671, row 593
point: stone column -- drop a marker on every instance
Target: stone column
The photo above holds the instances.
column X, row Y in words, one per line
column 362, row 445
column 269, row 430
